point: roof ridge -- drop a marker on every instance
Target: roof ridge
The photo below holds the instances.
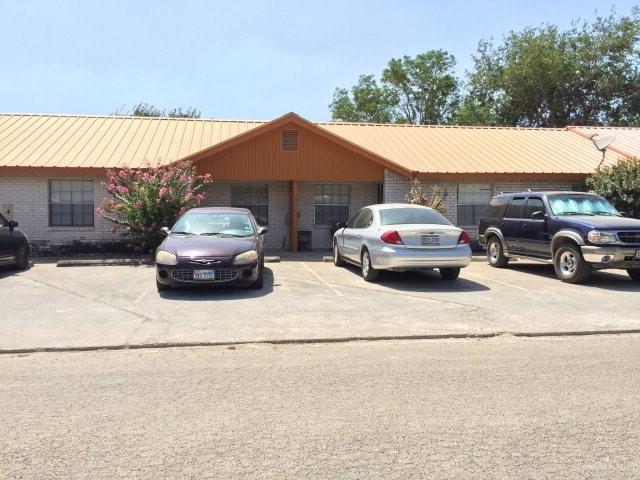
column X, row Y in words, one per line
column 602, row 127
column 461, row 127
column 80, row 115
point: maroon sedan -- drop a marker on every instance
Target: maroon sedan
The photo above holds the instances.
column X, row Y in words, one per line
column 212, row 246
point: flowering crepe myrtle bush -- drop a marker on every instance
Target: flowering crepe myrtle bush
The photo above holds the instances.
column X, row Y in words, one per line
column 141, row 201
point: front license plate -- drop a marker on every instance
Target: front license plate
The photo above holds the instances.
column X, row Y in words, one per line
column 430, row 239
column 204, row 274
column 638, row 254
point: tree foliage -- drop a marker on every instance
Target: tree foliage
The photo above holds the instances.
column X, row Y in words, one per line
column 620, row 183
column 588, row 74
column 421, row 90
column 141, row 201
column 143, row 109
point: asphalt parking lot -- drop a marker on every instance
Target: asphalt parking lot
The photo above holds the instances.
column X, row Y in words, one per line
column 78, row 307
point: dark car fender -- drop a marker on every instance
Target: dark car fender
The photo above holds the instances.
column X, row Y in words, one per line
column 489, row 232
column 561, row 235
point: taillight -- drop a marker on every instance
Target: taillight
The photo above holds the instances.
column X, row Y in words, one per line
column 392, row 237
column 464, row 239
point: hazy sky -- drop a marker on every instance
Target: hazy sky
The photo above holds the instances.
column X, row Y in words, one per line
column 236, row 59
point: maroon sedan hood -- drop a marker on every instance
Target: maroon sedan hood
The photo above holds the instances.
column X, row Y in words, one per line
column 197, row 246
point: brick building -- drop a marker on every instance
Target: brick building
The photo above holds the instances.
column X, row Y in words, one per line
column 297, row 176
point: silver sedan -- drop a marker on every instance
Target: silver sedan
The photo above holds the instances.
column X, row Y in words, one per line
column 399, row 236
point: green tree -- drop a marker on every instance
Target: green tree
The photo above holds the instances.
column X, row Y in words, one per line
column 420, row 90
column 143, row 109
column 619, row 183
column 588, row 74
column 365, row 102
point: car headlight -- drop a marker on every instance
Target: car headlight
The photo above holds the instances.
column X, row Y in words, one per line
column 246, row 257
column 596, row 236
column 166, row 258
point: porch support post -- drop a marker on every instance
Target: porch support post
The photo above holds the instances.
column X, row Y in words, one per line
column 293, row 216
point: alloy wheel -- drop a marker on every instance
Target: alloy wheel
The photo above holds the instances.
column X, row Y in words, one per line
column 567, row 263
column 493, row 252
column 366, row 264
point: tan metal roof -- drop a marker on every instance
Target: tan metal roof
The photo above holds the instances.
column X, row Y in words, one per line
column 626, row 142
column 107, row 141
column 442, row 149
column 28, row 140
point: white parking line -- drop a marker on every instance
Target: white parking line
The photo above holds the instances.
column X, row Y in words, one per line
column 322, row 280
column 142, row 295
column 496, row 281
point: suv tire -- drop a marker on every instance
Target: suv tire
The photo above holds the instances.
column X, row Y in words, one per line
column 369, row 273
column 634, row 273
column 495, row 253
column 570, row 266
column 22, row 258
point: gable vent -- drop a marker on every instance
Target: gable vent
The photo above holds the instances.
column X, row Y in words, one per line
column 290, row 140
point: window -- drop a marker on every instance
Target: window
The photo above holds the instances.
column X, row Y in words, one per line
column 365, row 219
column 534, row 204
column 290, row 140
column 495, row 208
column 253, row 196
column 352, row 221
column 472, row 200
column 516, row 208
column 411, row 216
column 332, row 202
column 71, row 203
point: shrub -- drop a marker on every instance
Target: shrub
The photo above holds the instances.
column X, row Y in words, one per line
column 141, row 201
column 619, row 183
column 417, row 196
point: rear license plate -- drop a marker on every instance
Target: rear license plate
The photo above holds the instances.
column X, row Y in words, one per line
column 204, row 274
column 638, row 254
column 430, row 239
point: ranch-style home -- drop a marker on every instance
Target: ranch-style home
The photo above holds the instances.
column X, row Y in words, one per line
column 296, row 176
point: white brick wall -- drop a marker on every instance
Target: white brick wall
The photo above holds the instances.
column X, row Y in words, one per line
column 29, row 197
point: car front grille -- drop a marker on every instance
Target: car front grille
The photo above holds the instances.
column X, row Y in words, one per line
column 629, row 237
column 221, row 275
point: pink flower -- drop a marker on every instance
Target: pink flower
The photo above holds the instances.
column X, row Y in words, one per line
column 138, row 204
column 122, row 174
column 111, row 187
column 123, row 190
column 164, row 191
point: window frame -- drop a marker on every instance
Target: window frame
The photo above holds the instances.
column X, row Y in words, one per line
column 74, row 204
column 250, row 205
column 477, row 209
column 324, row 186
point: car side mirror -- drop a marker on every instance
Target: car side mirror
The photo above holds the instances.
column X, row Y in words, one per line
column 340, row 225
column 165, row 230
column 540, row 215
column 263, row 230
column 12, row 225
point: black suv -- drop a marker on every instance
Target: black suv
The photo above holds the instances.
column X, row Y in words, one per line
column 14, row 246
column 575, row 231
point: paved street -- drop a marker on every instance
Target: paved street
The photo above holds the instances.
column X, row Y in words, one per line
column 494, row 408
column 48, row 306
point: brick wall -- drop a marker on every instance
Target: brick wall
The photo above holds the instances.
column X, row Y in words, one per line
column 396, row 188
column 29, row 197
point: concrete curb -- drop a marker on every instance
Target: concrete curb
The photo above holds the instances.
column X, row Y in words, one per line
column 109, row 262
column 104, row 262
column 304, row 341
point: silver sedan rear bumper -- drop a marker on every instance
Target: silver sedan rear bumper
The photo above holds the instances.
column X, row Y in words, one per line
column 389, row 258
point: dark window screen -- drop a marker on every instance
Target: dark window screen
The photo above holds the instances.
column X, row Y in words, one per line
column 515, row 208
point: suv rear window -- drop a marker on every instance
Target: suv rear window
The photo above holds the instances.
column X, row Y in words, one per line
column 494, row 209
column 516, row 208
